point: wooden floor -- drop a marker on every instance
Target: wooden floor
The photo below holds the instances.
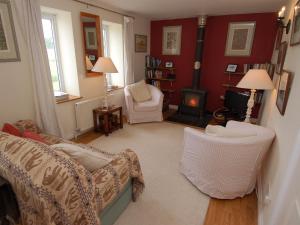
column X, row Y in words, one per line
column 241, row 211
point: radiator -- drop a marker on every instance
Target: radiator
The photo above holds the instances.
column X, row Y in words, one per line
column 84, row 113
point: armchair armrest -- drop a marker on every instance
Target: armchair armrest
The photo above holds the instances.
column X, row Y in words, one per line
column 156, row 94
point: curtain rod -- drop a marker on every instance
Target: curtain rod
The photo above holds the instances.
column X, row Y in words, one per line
column 99, row 7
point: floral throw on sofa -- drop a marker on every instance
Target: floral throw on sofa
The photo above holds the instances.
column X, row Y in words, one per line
column 52, row 188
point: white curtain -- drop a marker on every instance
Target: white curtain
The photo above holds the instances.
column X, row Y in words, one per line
column 128, row 50
column 29, row 17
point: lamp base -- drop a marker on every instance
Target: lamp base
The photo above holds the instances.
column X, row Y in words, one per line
column 250, row 106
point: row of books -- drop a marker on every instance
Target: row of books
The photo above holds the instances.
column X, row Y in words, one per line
column 152, row 62
column 270, row 68
column 154, row 74
column 156, row 83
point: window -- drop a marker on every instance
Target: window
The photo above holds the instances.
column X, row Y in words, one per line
column 51, row 40
column 113, row 47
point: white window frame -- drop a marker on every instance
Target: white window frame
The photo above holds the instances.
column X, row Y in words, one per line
column 52, row 18
column 105, row 29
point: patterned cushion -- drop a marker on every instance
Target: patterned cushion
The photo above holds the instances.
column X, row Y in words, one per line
column 29, row 125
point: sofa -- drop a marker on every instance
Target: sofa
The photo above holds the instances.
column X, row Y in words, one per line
column 53, row 188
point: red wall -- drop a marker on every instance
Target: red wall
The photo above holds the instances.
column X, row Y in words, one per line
column 214, row 61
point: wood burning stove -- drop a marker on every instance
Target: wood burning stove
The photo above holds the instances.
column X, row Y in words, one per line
column 191, row 109
column 193, row 102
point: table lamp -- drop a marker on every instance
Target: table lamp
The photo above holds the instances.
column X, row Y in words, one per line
column 105, row 65
column 255, row 79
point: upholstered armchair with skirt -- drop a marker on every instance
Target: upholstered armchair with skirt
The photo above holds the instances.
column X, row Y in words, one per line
column 147, row 111
column 225, row 167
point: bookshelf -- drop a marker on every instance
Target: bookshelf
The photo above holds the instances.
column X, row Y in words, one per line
column 156, row 74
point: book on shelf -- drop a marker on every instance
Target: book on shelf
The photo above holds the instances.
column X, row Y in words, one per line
column 270, row 68
column 152, row 62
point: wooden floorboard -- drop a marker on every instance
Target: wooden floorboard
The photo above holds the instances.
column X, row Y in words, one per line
column 241, row 211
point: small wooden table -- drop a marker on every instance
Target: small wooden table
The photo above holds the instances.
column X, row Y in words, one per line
column 106, row 116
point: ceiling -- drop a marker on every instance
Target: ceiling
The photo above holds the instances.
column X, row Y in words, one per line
column 169, row 9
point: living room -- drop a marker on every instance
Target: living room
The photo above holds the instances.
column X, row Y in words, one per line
column 187, row 108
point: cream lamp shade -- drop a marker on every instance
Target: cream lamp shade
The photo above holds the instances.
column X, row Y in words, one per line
column 104, row 65
column 257, row 79
column 88, row 63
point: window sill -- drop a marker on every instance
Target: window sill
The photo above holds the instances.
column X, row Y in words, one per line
column 109, row 90
column 69, row 99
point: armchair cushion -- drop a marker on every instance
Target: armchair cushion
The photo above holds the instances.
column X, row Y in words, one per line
column 220, row 131
column 147, row 106
column 140, row 91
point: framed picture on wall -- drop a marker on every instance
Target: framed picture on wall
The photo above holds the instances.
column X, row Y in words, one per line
column 171, row 40
column 231, row 68
column 240, row 38
column 283, row 91
column 91, row 38
column 295, row 37
column 9, row 51
column 140, row 43
column 278, row 37
column 281, row 57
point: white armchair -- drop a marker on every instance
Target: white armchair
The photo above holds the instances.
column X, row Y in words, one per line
column 149, row 111
column 221, row 167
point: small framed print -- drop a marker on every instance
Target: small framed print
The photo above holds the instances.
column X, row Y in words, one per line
column 240, row 38
column 171, row 40
column 281, row 57
column 295, row 36
column 283, row 91
column 140, row 43
column 231, row 68
column 9, row 51
column 169, row 64
column 91, row 38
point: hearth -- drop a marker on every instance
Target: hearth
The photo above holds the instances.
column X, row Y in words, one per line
column 191, row 109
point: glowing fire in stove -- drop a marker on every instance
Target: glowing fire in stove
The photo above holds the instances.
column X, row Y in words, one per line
column 193, row 102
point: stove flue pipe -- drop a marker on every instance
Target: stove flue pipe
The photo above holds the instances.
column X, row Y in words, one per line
column 199, row 51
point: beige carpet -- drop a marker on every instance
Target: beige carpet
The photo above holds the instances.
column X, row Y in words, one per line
column 169, row 198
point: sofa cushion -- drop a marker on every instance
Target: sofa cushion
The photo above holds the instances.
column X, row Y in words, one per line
column 90, row 160
column 34, row 136
column 220, row 131
column 28, row 125
column 147, row 106
column 11, row 129
column 140, row 91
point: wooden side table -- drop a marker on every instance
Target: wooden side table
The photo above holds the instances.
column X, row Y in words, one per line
column 104, row 119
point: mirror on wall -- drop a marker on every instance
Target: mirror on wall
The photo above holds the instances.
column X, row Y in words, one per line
column 92, row 45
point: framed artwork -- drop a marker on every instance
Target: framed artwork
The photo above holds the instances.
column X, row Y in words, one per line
column 278, row 37
column 281, row 57
column 171, row 40
column 231, row 68
column 240, row 38
column 91, row 38
column 283, row 91
column 140, row 43
column 9, row 51
column 295, row 36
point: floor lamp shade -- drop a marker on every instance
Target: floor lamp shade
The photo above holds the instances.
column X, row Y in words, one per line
column 256, row 79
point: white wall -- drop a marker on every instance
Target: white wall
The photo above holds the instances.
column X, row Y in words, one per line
column 286, row 128
column 16, row 95
column 15, row 87
column 141, row 26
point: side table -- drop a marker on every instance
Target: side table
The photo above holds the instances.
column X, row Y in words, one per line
column 104, row 119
